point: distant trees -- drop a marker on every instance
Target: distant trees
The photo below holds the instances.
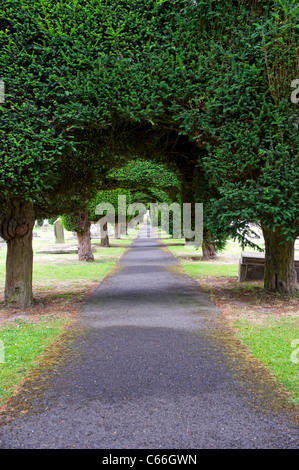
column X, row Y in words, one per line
column 80, row 221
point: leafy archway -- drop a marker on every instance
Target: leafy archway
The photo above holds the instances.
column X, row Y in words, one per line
column 197, row 84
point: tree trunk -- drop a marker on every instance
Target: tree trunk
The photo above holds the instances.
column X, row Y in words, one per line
column 117, row 230
column 124, row 229
column 17, row 229
column 208, row 246
column 280, row 273
column 188, row 241
column 104, row 233
column 208, row 251
column 83, row 236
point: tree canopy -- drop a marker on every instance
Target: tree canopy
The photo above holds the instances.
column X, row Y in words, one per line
column 200, row 86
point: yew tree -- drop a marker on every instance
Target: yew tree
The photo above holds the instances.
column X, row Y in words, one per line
column 52, row 134
column 250, row 126
column 223, row 84
column 76, row 89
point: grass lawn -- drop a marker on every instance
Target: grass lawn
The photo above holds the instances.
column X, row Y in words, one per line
column 51, row 269
column 61, row 283
column 203, row 270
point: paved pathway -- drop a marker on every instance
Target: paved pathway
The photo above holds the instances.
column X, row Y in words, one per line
column 149, row 365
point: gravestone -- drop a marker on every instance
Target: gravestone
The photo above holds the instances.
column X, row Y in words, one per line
column 62, row 250
column 95, row 230
column 110, row 230
column 45, row 225
column 58, row 231
column 252, row 266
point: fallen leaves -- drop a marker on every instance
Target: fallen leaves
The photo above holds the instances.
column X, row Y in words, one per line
column 249, row 300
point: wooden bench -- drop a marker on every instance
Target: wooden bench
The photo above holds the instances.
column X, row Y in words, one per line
column 252, row 265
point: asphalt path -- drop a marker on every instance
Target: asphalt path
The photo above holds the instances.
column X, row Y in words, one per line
column 149, row 364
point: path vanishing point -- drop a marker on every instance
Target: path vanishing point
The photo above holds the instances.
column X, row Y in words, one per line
column 149, row 364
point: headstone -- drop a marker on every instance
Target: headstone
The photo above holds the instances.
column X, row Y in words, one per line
column 252, row 266
column 62, row 250
column 45, row 225
column 58, row 231
column 110, row 230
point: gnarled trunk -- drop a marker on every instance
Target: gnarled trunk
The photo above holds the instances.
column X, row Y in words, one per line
column 83, row 237
column 208, row 246
column 208, row 251
column 280, row 273
column 17, row 229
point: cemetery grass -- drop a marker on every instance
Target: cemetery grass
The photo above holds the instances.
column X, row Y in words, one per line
column 61, row 284
column 266, row 323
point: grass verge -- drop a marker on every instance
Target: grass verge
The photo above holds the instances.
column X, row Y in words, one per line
column 267, row 324
column 23, row 344
column 61, row 284
column 275, row 343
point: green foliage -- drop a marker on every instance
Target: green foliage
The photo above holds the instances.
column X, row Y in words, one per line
column 71, row 222
column 141, row 174
column 175, row 81
column 252, row 146
column 63, row 74
column 119, row 198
